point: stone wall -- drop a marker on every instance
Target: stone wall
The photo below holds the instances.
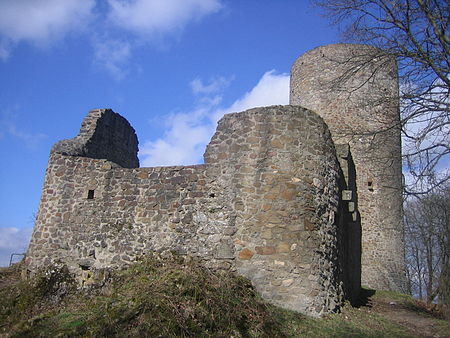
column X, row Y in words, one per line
column 355, row 89
column 95, row 214
column 280, row 199
column 266, row 204
column 279, row 168
column 103, row 134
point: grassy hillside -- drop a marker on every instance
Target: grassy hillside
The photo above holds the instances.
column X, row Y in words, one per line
column 167, row 298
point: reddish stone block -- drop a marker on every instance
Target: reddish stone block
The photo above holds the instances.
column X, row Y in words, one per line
column 246, row 254
column 265, row 250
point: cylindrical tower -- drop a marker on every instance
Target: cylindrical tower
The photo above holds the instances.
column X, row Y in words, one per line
column 278, row 167
column 355, row 90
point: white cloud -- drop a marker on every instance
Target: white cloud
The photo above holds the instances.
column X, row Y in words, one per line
column 112, row 55
column 184, row 141
column 30, row 139
column 13, row 240
column 5, row 49
column 40, row 21
column 215, row 85
column 149, row 17
column 425, row 137
column 188, row 133
column 149, row 20
column 8, row 127
column 271, row 89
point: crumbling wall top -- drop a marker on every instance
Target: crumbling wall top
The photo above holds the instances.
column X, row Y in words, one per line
column 104, row 134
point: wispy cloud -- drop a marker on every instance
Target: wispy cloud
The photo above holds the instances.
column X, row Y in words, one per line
column 8, row 127
column 40, row 21
column 13, row 240
column 183, row 142
column 154, row 17
column 112, row 56
column 425, row 137
column 213, row 86
column 145, row 21
column 271, row 89
column 5, row 48
column 31, row 140
column 189, row 132
column 127, row 24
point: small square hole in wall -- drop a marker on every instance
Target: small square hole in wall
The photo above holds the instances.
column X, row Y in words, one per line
column 90, row 195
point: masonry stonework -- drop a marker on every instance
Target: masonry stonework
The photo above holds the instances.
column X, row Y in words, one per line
column 275, row 201
column 354, row 88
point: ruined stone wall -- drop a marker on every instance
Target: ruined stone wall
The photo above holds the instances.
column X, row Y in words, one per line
column 279, row 168
column 266, row 204
column 95, row 214
column 103, row 134
column 355, row 89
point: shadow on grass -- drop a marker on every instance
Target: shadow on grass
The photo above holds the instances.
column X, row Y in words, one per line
column 368, row 297
column 422, row 308
column 364, row 297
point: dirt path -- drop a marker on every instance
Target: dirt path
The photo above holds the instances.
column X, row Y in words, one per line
column 419, row 323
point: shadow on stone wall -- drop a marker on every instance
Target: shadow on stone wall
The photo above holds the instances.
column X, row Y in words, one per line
column 267, row 204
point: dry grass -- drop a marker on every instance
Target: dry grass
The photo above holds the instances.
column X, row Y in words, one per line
column 173, row 298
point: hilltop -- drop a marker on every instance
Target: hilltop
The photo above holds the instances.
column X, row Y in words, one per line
column 170, row 297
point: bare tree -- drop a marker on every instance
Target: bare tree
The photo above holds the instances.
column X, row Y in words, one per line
column 417, row 33
column 427, row 237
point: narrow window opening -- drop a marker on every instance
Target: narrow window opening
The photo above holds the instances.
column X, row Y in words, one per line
column 90, row 195
column 370, row 185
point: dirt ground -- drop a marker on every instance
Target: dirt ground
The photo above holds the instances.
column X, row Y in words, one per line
column 415, row 320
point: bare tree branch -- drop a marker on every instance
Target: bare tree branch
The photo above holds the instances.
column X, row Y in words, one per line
column 417, row 33
column 427, row 237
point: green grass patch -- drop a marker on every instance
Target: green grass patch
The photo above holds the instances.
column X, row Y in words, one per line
column 172, row 298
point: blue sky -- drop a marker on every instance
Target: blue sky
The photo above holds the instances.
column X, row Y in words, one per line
column 171, row 67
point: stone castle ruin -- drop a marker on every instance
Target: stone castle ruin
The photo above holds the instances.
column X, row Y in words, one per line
column 297, row 198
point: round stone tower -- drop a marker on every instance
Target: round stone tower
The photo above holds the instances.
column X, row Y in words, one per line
column 354, row 88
